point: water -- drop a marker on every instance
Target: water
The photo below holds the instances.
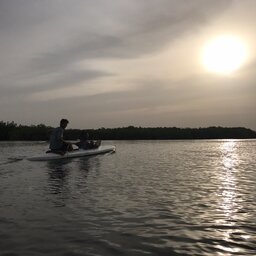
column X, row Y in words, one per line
column 149, row 198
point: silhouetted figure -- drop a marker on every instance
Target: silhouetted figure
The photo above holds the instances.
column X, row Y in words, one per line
column 86, row 143
column 57, row 143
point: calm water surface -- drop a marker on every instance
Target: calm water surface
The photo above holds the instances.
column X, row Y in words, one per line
column 149, row 198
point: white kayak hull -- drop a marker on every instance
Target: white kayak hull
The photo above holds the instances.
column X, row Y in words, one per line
column 76, row 153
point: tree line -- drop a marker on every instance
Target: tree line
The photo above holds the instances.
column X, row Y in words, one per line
column 10, row 131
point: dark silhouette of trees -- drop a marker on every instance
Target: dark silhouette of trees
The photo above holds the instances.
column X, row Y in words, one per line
column 12, row 131
column 173, row 133
column 5, row 129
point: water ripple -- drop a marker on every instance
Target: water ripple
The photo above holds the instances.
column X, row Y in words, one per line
column 149, row 198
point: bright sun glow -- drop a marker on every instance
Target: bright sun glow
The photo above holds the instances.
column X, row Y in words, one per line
column 224, row 55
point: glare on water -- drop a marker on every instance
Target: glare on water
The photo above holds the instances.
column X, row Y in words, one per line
column 149, row 198
column 228, row 181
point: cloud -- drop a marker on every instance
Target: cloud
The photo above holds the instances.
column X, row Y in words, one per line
column 53, row 45
column 149, row 103
column 128, row 30
column 146, row 94
column 44, row 42
column 49, row 83
column 66, row 33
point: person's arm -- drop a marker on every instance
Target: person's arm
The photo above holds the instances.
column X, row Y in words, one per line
column 67, row 142
column 60, row 137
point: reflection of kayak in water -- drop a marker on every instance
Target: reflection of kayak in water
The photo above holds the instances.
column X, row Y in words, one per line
column 76, row 153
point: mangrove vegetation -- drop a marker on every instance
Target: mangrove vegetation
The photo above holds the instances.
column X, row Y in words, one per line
column 10, row 131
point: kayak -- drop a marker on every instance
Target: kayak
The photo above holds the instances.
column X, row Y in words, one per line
column 76, row 153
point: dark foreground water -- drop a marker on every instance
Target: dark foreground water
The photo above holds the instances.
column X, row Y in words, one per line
column 149, row 198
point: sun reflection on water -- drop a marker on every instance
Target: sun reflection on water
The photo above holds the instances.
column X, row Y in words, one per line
column 227, row 192
column 227, row 176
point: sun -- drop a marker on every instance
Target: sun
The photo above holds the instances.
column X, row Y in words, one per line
column 224, row 54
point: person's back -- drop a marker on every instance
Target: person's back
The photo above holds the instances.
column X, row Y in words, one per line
column 57, row 143
column 56, row 138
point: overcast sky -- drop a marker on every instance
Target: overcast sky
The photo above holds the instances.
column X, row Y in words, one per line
column 114, row 63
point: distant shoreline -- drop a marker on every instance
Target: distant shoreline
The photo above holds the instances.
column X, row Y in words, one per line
column 10, row 131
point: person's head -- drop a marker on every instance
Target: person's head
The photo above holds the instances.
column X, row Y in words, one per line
column 63, row 123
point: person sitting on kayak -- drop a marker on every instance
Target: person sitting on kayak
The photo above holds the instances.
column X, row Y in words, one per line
column 86, row 143
column 57, row 143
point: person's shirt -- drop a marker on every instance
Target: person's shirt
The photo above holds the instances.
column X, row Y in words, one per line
column 56, row 138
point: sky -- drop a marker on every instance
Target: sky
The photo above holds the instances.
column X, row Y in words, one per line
column 109, row 63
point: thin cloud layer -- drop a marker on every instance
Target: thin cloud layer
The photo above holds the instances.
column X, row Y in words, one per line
column 53, row 47
column 60, row 34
